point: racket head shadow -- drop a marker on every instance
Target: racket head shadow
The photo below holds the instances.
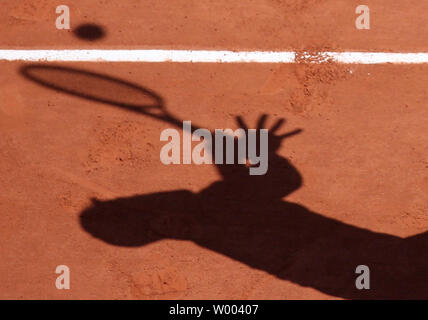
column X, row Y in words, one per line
column 96, row 87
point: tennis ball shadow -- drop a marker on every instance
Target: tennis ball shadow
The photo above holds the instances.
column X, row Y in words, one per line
column 89, row 32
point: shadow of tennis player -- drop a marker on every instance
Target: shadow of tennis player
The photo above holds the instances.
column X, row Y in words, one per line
column 244, row 216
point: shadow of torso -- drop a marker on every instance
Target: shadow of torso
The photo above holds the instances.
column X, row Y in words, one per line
column 245, row 218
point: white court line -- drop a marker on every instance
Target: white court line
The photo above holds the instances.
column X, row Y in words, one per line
column 209, row 56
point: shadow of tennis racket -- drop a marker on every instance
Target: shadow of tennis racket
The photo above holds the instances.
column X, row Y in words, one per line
column 100, row 88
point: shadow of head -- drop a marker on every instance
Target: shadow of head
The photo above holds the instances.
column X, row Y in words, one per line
column 117, row 224
column 139, row 220
column 89, row 32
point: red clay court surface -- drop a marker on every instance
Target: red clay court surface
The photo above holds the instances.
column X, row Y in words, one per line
column 350, row 189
